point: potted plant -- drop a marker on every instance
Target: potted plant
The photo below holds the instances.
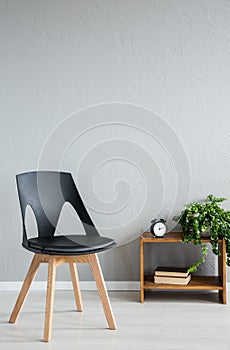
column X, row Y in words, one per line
column 199, row 217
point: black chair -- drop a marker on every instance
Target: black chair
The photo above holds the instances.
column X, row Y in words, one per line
column 46, row 192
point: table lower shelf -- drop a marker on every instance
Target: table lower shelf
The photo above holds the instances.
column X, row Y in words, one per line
column 196, row 283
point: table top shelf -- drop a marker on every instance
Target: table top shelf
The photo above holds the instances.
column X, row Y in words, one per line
column 169, row 237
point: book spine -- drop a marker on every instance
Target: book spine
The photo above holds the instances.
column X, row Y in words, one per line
column 169, row 274
column 172, row 280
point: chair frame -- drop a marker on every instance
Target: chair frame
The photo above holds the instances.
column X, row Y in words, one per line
column 54, row 261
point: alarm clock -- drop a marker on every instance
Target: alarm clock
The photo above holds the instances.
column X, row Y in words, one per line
column 158, row 227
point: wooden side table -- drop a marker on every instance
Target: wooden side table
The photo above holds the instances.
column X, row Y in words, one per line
column 197, row 282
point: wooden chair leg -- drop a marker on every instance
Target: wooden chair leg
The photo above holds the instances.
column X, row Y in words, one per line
column 49, row 298
column 96, row 269
column 25, row 287
column 76, row 286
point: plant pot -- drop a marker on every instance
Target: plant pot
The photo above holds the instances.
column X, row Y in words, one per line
column 205, row 233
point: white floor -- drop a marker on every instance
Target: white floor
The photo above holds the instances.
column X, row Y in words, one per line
column 167, row 320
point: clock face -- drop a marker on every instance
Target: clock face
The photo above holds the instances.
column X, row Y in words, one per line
column 159, row 229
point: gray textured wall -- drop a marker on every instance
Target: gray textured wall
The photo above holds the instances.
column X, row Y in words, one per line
column 64, row 67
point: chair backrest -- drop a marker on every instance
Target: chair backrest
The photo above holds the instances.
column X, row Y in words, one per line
column 46, row 192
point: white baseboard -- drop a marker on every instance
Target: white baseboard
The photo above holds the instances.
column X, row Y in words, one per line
column 67, row 285
column 84, row 285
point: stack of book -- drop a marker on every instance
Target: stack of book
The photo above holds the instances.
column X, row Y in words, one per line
column 172, row 275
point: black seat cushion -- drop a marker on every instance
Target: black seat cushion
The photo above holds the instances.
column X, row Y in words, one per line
column 70, row 244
